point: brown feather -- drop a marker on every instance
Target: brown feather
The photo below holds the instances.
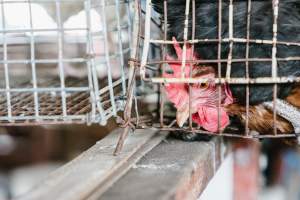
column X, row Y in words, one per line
column 261, row 118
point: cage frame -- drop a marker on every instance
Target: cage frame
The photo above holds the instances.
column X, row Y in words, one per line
column 96, row 113
column 142, row 63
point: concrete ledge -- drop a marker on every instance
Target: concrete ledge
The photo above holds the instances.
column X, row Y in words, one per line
column 172, row 170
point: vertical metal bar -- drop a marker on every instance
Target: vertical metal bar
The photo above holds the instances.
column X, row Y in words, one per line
column 275, row 4
column 32, row 61
column 230, row 30
column 107, row 59
column 60, row 33
column 146, row 39
column 192, row 58
column 93, row 79
column 132, row 74
column 135, row 34
column 219, row 61
column 129, row 19
column 87, row 7
column 185, row 37
column 117, row 8
column 247, row 66
column 6, row 73
column 162, row 100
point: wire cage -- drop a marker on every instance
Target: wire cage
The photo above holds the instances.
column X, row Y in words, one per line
column 84, row 61
column 63, row 61
column 151, row 69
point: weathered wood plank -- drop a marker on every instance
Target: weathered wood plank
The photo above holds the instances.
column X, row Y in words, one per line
column 172, row 170
column 96, row 168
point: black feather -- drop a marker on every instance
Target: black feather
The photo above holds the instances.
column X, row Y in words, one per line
column 261, row 28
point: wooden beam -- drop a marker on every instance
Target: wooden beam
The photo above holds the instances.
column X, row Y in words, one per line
column 96, row 169
column 172, row 170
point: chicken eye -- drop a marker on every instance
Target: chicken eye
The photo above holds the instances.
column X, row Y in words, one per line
column 203, row 85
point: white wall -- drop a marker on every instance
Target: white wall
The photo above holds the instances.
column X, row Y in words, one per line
column 221, row 186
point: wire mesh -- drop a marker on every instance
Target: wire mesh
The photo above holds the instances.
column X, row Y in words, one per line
column 152, row 68
column 63, row 61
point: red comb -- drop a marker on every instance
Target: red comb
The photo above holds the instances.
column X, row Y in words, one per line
column 206, row 117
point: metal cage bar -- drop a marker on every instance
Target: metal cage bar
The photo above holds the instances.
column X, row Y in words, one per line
column 60, row 57
column 59, row 98
column 6, row 74
column 275, row 4
column 151, row 69
column 33, row 67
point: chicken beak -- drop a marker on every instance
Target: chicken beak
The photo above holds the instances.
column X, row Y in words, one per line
column 182, row 115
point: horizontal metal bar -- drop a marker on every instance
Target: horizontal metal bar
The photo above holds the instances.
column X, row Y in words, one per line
column 261, row 80
column 234, row 60
column 39, row 1
column 52, row 119
column 19, row 36
column 34, row 30
column 44, row 61
column 47, row 89
column 98, row 59
column 41, row 122
column 106, row 88
column 45, row 117
column 97, row 33
column 42, row 39
column 187, row 129
column 55, row 30
column 226, row 40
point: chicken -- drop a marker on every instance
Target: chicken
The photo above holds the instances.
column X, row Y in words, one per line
column 204, row 96
column 261, row 27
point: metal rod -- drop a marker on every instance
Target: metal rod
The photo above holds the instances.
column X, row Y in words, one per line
column 185, row 37
column 92, row 63
column 187, row 129
column 107, row 51
column 131, row 78
column 230, row 28
column 247, row 66
column 275, row 4
column 260, row 80
column 6, row 72
column 227, row 40
column 121, row 58
column 192, row 57
column 89, row 51
column 219, row 63
column 146, row 39
column 162, row 100
column 237, row 60
column 60, row 35
column 33, row 67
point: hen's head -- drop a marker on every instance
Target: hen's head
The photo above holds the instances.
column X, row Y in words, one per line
column 204, row 96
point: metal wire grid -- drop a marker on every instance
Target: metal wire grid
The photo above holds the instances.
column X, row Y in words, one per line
column 58, row 99
column 144, row 64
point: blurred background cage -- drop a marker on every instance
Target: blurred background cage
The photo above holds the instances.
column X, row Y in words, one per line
column 150, row 69
column 63, row 61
